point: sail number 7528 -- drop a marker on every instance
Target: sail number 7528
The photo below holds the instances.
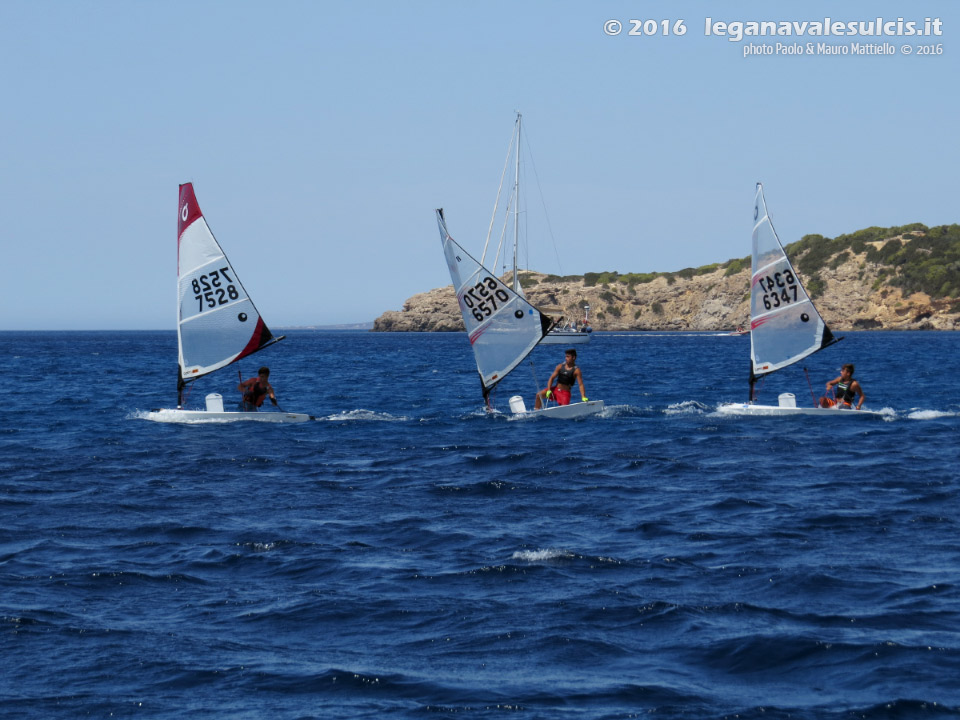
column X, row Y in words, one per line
column 214, row 288
column 484, row 298
column 779, row 289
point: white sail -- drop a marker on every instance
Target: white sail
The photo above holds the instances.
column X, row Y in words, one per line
column 785, row 326
column 217, row 322
column 502, row 326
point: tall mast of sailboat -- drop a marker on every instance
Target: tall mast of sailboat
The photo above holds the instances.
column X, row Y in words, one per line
column 516, row 212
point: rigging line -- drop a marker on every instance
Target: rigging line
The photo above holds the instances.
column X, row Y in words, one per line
column 810, row 385
column 503, row 238
column 496, row 204
column 756, row 391
column 536, row 384
column 542, row 202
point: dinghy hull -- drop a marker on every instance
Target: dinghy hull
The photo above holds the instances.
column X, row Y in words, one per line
column 776, row 410
column 563, row 337
column 573, row 410
column 205, row 416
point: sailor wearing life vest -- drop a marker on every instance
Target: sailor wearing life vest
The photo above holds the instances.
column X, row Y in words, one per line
column 847, row 390
column 566, row 373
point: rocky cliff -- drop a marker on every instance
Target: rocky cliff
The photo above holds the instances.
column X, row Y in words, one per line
column 852, row 290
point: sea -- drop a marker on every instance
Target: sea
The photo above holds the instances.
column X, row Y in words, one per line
column 409, row 555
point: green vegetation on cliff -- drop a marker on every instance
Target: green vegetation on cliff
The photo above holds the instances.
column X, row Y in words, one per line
column 912, row 257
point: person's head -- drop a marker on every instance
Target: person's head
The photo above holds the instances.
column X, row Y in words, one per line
column 571, row 355
column 847, row 369
column 264, row 372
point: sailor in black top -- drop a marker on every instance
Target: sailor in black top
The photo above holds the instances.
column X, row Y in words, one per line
column 565, row 374
column 847, row 390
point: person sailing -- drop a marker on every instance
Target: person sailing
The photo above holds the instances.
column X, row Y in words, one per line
column 566, row 374
column 847, row 390
column 255, row 390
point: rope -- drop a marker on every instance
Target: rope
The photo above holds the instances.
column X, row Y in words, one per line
column 812, row 396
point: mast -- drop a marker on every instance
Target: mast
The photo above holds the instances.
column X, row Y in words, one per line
column 516, row 212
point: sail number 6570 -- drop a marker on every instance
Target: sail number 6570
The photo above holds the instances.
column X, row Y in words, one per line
column 779, row 289
column 482, row 299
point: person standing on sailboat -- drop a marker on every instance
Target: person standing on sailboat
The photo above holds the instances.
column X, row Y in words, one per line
column 847, row 390
column 255, row 390
column 566, row 373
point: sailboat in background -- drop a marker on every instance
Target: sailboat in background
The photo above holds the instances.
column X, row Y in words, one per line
column 571, row 333
column 503, row 327
column 565, row 333
column 217, row 322
column 785, row 326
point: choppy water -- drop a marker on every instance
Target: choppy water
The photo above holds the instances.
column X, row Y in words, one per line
column 408, row 555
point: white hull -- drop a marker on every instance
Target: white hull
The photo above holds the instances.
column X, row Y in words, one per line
column 205, row 416
column 565, row 337
column 774, row 410
column 573, row 410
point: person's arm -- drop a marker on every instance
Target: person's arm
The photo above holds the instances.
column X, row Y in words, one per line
column 858, row 388
column 273, row 397
column 242, row 387
column 583, row 393
column 556, row 371
column 831, row 383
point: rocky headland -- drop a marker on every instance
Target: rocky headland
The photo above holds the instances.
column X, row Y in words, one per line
column 905, row 278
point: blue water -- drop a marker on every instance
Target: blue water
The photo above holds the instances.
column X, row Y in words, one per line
column 408, row 555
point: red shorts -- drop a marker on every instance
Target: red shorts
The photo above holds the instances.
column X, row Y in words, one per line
column 561, row 396
column 830, row 402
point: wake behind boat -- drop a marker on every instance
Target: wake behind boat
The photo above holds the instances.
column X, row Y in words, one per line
column 785, row 326
column 503, row 327
column 217, row 323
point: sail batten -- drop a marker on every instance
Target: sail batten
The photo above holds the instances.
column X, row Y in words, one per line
column 785, row 326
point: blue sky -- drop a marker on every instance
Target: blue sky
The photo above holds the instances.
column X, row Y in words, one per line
column 320, row 137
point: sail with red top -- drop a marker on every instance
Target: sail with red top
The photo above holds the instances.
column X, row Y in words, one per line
column 217, row 322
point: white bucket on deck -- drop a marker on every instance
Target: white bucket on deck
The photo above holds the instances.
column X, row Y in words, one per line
column 215, row 402
column 517, row 406
column 787, row 400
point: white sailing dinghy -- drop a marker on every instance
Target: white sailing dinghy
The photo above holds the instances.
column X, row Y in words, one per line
column 503, row 327
column 217, row 322
column 785, row 326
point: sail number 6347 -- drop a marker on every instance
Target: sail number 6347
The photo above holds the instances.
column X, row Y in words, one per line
column 779, row 289
column 482, row 299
